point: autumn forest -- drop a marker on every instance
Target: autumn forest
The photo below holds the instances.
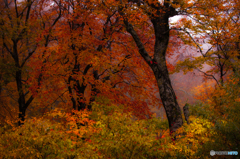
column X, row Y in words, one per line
column 117, row 79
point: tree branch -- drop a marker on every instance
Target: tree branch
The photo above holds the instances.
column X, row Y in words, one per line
column 208, row 75
column 137, row 40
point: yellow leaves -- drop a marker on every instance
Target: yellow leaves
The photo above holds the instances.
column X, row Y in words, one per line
column 188, row 65
column 224, row 122
column 196, row 134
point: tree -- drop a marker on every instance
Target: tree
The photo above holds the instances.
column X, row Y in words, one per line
column 157, row 15
column 20, row 38
column 215, row 23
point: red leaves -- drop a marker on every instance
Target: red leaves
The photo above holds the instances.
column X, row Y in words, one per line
column 162, row 136
column 88, row 140
column 170, row 67
column 153, row 62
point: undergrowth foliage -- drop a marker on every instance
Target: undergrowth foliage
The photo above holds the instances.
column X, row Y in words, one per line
column 47, row 137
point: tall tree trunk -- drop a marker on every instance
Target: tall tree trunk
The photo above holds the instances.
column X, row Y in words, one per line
column 159, row 67
column 21, row 98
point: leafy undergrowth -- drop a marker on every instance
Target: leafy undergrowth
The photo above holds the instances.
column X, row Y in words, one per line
column 112, row 134
column 108, row 132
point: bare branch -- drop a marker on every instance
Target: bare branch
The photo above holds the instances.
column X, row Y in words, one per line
column 208, row 75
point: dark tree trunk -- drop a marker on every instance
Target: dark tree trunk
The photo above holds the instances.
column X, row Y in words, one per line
column 159, row 67
column 21, row 115
column 22, row 104
column 80, row 89
column 186, row 112
column 21, row 98
column 168, row 98
column 71, row 93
